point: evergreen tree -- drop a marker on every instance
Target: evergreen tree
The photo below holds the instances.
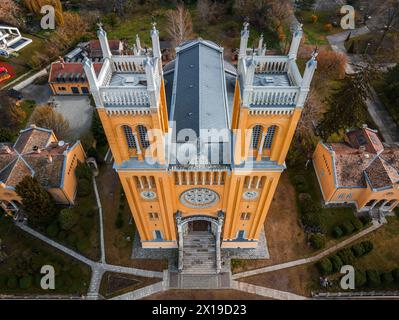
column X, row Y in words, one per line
column 347, row 106
column 37, row 202
column 98, row 130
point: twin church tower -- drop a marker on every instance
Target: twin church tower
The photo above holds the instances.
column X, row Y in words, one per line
column 199, row 145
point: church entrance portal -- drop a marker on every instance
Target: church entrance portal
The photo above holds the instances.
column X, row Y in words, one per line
column 199, row 226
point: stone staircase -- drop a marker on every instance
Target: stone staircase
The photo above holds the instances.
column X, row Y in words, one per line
column 199, row 253
column 199, row 281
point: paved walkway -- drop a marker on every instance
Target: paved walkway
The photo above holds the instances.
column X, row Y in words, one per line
column 265, row 292
column 315, row 258
column 386, row 126
column 100, row 212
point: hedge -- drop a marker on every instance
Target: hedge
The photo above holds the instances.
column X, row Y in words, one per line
column 365, row 220
column 395, row 274
column 325, row 267
column 317, row 241
column 373, row 278
column 52, row 230
column 84, row 187
column 360, row 278
column 358, row 225
column 367, row 246
column 12, row 282
column 347, row 227
column 358, row 250
column 337, row 232
column 387, row 277
column 336, row 263
column 68, row 218
column 346, row 256
column 25, row 282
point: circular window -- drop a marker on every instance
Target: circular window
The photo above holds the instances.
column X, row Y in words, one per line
column 149, row 195
column 250, row 195
column 199, row 198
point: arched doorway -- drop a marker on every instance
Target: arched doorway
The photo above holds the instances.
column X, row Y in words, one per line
column 199, row 243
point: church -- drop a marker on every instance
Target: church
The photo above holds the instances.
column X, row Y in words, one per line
column 199, row 144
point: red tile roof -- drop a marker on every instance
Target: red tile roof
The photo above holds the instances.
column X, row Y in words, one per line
column 67, row 69
column 364, row 159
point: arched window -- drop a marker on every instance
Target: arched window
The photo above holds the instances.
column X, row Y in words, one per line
column 256, row 132
column 131, row 142
column 269, row 137
column 143, row 136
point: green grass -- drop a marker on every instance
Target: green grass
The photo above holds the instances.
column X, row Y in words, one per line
column 84, row 236
column 316, row 32
column 379, row 86
column 330, row 217
column 26, row 255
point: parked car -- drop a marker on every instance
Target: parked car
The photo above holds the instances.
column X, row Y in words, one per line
column 15, row 94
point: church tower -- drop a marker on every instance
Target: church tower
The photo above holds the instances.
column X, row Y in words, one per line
column 129, row 95
column 269, row 98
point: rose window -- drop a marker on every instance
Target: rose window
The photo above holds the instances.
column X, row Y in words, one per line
column 199, row 198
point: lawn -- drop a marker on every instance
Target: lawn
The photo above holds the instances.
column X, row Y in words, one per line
column 115, row 284
column 24, row 257
column 283, row 246
column 119, row 238
column 84, row 235
column 317, row 32
column 385, row 255
column 21, row 61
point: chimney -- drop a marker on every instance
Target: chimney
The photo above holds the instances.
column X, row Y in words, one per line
column 36, row 149
column 62, row 61
column 5, row 149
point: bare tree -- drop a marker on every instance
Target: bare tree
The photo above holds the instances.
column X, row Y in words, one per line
column 10, row 12
column 46, row 117
column 179, row 25
column 206, row 10
column 392, row 18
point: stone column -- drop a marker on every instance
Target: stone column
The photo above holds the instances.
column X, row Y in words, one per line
column 218, row 234
column 180, row 234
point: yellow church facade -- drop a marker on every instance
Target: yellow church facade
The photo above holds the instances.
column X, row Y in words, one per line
column 199, row 146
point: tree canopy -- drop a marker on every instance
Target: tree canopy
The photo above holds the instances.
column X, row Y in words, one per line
column 37, row 202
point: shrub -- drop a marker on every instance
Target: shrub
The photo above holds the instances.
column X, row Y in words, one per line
column 82, row 245
column 337, row 232
column 358, row 250
column 72, row 239
column 328, row 26
column 300, row 183
column 84, row 187
column 387, row 278
column 347, row 227
column 357, row 224
column 314, row 18
column 83, row 171
column 87, row 225
column 360, row 278
column 25, row 282
column 325, row 267
column 395, row 274
column 366, row 220
column 336, row 263
column 317, row 241
column 12, row 282
column 52, row 230
column 367, row 246
column 346, row 256
column 68, row 219
column 373, row 278
column 119, row 220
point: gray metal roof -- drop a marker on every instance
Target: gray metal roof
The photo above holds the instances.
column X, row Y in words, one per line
column 199, row 87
